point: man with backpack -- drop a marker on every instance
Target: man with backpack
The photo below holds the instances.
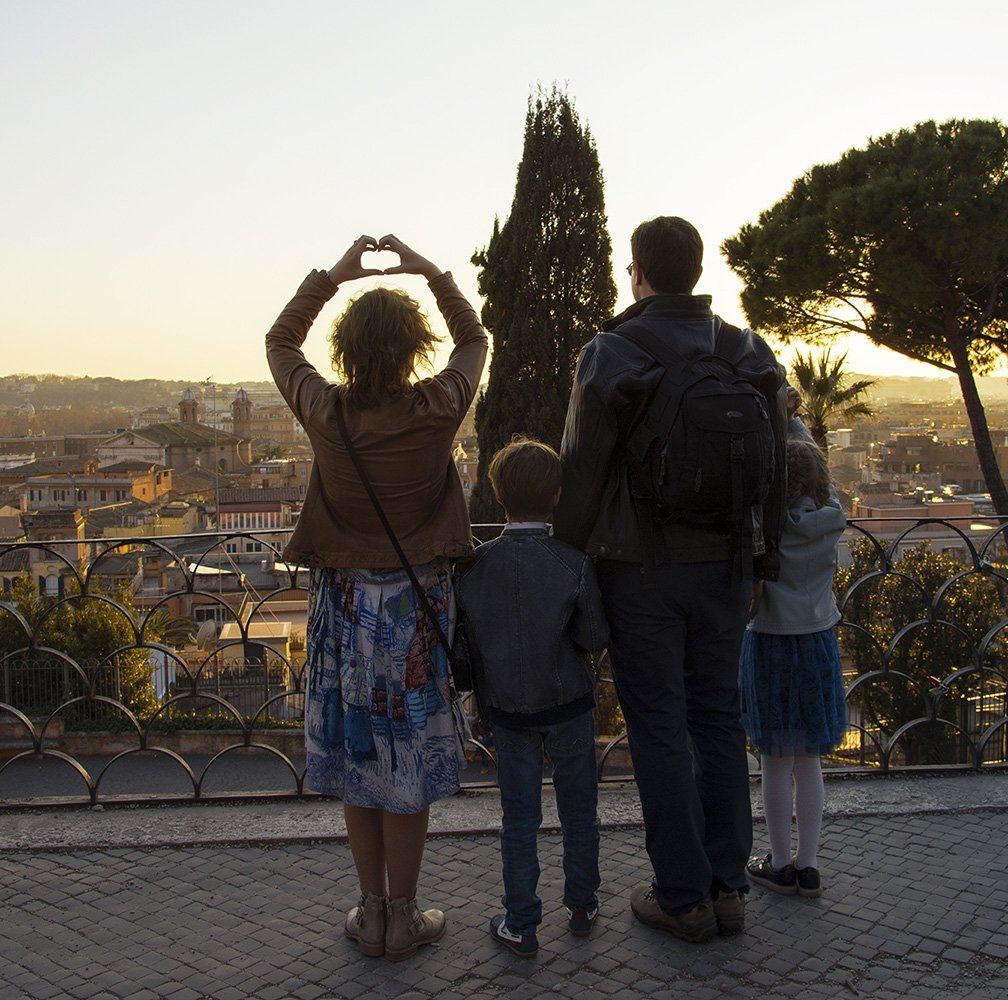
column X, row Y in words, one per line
column 673, row 478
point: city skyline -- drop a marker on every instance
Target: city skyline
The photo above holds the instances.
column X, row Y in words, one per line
column 175, row 170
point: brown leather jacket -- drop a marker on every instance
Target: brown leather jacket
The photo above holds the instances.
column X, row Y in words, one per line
column 404, row 443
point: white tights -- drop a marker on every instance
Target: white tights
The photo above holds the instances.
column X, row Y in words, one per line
column 808, row 807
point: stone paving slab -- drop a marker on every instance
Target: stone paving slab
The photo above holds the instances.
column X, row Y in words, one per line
column 318, row 819
column 914, row 906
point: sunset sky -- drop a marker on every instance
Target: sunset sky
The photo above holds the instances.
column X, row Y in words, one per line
column 171, row 170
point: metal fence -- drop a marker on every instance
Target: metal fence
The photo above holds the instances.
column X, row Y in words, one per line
column 122, row 660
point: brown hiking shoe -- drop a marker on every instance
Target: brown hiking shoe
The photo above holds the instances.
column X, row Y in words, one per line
column 729, row 911
column 365, row 924
column 696, row 925
column 408, row 927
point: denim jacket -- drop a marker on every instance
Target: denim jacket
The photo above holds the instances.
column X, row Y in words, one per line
column 532, row 612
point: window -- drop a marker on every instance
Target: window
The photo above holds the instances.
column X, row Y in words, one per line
column 230, row 546
column 211, row 613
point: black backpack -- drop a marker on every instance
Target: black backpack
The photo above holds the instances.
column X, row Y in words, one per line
column 703, row 453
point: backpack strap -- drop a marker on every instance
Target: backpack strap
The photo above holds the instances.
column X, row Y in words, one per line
column 727, row 340
column 673, row 385
column 726, row 346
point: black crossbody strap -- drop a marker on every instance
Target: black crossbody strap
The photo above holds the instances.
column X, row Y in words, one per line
column 376, row 503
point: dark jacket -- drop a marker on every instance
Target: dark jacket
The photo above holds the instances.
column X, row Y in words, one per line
column 532, row 612
column 613, row 383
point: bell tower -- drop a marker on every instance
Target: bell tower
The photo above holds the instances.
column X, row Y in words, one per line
column 188, row 407
column 241, row 415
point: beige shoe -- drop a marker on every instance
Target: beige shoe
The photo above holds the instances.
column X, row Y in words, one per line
column 696, row 925
column 729, row 911
column 408, row 927
column 365, row 924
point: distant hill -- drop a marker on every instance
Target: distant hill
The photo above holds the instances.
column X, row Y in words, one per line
column 50, row 391
column 992, row 388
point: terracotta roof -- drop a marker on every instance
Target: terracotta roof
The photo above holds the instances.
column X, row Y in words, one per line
column 117, row 564
column 48, row 467
column 198, row 480
column 132, row 465
column 113, row 514
column 15, row 561
column 181, row 434
column 270, row 494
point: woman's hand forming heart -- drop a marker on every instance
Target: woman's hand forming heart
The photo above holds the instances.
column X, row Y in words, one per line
column 410, row 262
column 349, row 266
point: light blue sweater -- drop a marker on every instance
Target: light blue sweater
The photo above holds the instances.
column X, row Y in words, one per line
column 801, row 600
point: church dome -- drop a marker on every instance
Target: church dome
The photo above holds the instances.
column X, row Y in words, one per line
column 241, row 396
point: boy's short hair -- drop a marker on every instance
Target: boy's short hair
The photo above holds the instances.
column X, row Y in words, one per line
column 525, row 476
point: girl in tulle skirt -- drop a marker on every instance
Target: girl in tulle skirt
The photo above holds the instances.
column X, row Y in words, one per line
column 790, row 681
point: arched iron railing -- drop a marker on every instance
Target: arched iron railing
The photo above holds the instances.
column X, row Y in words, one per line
column 105, row 695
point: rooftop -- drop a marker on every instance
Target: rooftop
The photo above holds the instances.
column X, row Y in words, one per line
column 175, row 433
column 133, row 465
column 262, row 494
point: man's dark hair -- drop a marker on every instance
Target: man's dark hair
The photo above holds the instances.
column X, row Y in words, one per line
column 525, row 476
column 669, row 252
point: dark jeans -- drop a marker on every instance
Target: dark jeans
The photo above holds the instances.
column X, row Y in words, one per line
column 674, row 648
column 571, row 749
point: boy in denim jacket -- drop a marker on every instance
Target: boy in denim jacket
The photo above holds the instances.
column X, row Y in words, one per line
column 533, row 614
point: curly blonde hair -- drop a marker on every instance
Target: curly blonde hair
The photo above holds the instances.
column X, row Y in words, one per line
column 808, row 474
column 378, row 344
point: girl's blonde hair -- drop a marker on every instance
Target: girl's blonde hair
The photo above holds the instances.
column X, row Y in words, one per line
column 808, row 474
column 378, row 344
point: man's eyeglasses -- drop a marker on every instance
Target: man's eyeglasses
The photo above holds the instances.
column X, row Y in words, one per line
column 629, row 268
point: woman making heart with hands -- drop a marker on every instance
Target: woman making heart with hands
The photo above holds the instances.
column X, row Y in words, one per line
column 350, row 267
column 379, row 731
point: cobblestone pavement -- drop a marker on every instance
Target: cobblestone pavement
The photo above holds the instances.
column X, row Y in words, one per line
column 914, row 906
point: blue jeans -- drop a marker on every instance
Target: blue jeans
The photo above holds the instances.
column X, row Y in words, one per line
column 571, row 749
column 674, row 649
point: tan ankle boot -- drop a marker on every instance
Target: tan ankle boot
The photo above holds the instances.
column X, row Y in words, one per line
column 365, row 924
column 407, row 927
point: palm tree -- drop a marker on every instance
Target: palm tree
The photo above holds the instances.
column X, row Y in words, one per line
column 826, row 394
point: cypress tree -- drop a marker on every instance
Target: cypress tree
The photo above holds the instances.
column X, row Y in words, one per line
column 546, row 278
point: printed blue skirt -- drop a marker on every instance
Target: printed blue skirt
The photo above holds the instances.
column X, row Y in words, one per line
column 379, row 731
column 792, row 693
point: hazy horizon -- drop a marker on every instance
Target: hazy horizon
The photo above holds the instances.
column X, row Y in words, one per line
column 173, row 171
